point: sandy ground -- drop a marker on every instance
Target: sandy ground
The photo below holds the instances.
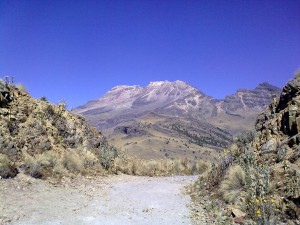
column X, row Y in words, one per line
column 110, row 200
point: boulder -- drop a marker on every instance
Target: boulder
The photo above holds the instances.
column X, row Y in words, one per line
column 269, row 146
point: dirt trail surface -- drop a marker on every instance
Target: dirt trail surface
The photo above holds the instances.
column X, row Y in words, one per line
column 111, row 200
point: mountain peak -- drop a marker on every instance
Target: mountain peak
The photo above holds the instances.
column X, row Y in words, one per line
column 178, row 84
column 265, row 86
column 125, row 88
column 159, row 83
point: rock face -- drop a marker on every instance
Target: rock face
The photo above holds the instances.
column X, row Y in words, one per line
column 279, row 125
column 41, row 138
column 129, row 106
column 277, row 144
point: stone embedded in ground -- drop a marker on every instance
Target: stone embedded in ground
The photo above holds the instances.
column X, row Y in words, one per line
column 237, row 213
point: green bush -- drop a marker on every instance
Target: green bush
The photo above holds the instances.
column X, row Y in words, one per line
column 106, row 154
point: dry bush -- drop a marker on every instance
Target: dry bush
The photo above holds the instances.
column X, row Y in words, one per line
column 73, row 162
column 151, row 168
column 135, row 166
column 59, row 169
column 32, row 165
column 89, row 159
column 41, row 165
column 6, row 168
column 47, row 164
column 21, row 87
column 48, row 159
column 233, row 186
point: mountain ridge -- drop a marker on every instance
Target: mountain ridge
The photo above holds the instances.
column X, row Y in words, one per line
column 262, row 86
column 180, row 107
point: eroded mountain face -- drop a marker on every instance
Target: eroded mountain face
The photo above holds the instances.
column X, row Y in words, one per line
column 176, row 104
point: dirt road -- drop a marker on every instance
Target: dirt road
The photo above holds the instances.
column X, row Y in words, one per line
column 111, row 200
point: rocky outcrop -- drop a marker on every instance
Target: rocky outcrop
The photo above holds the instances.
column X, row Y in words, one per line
column 279, row 125
column 130, row 131
column 277, row 145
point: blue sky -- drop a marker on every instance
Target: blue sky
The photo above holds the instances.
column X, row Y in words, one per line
column 78, row 50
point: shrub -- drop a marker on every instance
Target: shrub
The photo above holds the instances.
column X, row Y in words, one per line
column 48, row 159
column 6, row 168
column 106, row 154
column 242, row 141
column 44, row 99
column 167, row 167
column 218, row 170
column 73, row 162
column 233, row 186
column 40, row 165
column 259, row 201
column 21, row 87
column 89, row 159
column 32, row 165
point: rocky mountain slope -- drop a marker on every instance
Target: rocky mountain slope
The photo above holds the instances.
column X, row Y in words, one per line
column 42, row 139
column 258, row 177
column 277, row 146
column 175, row 113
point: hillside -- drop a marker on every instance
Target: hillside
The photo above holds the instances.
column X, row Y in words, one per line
column 42, row 139
column 258, row 178
column 170, row 119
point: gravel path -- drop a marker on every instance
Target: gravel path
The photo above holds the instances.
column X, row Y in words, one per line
column 111, row 200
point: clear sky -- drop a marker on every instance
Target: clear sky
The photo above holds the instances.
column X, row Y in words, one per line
column 78, row 50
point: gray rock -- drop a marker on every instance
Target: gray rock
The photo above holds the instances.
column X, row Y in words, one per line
column 269, row 146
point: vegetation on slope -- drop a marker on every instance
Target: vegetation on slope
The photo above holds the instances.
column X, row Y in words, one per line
column 42, row 139
column 257, row 180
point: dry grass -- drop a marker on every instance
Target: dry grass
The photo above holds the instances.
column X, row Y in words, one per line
column 233, row 186
column 89, row 159
column 140, row 167
column 69, row 161
column 21, row 87
column 32, row 165
column 73, row 162
column 52, row 163
column 5, row 166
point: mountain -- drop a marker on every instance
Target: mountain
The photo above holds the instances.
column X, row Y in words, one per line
column 176, row 111
column 123, row 103
column 42, row 139
column 238, row 112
